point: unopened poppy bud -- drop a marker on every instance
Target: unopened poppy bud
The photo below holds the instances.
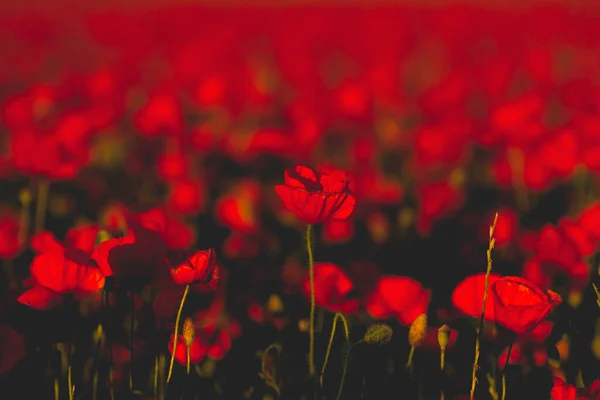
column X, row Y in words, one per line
column 274, row 304
column 25, row 197
column 98, row 335
column 378, row 334
column 188, row 332
column 443, row 336
column 417, row 331
column 102, row 236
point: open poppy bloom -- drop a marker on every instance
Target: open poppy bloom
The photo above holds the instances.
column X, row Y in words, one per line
column 56, row 275
column 332, row 287
column 201, row 268
column 82, row 238
column 315, row 197
column 468, row 296
column 398, row 296
column 519, row 305
column 133, row 259
column 197, row 350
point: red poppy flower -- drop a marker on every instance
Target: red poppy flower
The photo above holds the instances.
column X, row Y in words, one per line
column 468, row 296
column 239, row 209
column 134, row 258
column 12, row 348
column 314, row 197
column 175, row 233
column 332, row 287
column 337, row 231
column 398, row 296
column 562, row 390
column 197, row 350
column 186, row 197
column 201, row 268
column 520, row 305
column 55, row 274
column 82, row 238
column 9, row 235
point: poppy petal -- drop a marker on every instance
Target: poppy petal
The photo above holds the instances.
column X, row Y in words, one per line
column 40, row 298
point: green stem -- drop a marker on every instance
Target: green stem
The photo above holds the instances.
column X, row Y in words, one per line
column 346, row 332
column 69, row 376
column 155, row 383
column 510, row 346
column 345, row 369
column 185, row 293
column 42, row 204
column 311, row 272
column 131, row 333
column 188, row 359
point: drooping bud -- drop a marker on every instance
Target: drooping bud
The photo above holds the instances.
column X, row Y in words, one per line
column 443, row 336
column 189, row 332
column 378, row 334
column 417, row 331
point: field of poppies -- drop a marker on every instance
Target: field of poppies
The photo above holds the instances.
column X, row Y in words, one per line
column 392, row 202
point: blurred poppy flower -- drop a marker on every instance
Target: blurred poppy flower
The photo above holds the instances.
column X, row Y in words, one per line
column 401, row 297
column 332, row 289
column 82, row 238
column 435, row 201
column 186, row 197
column 468, row 296
column 197, row 350
column 239, row 208
column 519, row 305
column 314, row 197
column 10, row 227
column 56, row 275
column 134, row 259
column 562, row 390
column 201, row 268
column 12, row 348
column 337, row 231
column 175, row 233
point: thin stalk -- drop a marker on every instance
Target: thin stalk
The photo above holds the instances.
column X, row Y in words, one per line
column 42, row 204
column 185, row 293
column 69, row 375
column 345, row 369
column 155, row 382
column 131, row 332
column 311, row 273
column 510, row 346
column 347, row 334
column 485, row 294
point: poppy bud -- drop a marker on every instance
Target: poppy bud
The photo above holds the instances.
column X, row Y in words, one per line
column 98, row 335
column 25, row 197
column 274, row 304
column 378, row 334
column 443, row 336
column 417, row 330
column 188, row 332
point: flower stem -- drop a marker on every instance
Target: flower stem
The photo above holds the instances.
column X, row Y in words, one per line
column 510, row 346
column 131, row 332
column 345, row 369
column 41, row 204
column 347, row 334
column 56, row 389
column 485, row 294
column 311, row 272
column 185, row 293
column 188, row 359
column 69, row 375
column 155, row 382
